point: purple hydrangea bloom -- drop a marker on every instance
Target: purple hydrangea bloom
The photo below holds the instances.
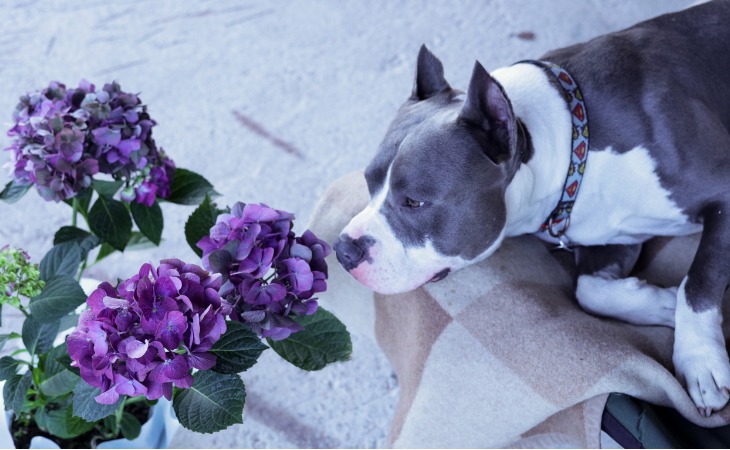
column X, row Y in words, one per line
column 269, row 274
column 64, row 137
column 147, row 334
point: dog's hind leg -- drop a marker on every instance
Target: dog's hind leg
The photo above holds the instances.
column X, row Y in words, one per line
column 603, row 288
column 700, row 357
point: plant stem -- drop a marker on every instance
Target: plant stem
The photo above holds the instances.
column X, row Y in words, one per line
column 120, row 412
column 25, row 313
column 83, row 267
column 75, row 204
column 132, row 400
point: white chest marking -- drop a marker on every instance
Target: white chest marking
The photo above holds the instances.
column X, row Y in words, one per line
column 621, row 201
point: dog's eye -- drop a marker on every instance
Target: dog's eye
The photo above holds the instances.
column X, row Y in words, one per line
column 410, row 203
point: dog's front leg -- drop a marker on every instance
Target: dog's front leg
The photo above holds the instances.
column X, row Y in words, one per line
column 700, row 357
column 603, row 288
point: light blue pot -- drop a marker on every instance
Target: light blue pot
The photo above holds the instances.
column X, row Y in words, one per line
column 157, row 432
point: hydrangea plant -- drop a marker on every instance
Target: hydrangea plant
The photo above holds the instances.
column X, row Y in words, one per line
column 92, row 149
column 19, row 278
column 147, row 334
column 270, row 275
column 180, row 326
column 174, row 330
column 64, row 137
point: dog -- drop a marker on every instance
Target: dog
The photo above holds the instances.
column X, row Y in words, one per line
column 458, row 172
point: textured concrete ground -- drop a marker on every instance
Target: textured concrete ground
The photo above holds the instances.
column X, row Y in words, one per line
column 271, row 101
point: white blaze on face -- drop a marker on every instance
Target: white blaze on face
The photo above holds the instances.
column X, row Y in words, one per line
column 391, row 267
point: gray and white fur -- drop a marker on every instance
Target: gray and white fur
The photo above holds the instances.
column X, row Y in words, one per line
column 458, row 172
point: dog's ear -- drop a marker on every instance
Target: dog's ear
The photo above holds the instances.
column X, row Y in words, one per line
column 429, row 76
column 488, row 112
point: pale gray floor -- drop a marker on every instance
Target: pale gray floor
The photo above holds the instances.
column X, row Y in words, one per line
column 324, row 78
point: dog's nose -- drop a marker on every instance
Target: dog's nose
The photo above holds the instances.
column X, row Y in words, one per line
column 350, row 253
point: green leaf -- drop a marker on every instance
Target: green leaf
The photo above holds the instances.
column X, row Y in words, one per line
column 104, row 251
column 189, row 188
column 61, row 296
column 41, row 418
column 62, row 259
column 15, row 391
column 76, row 426
column 107, row 188
column 85, row 405
column 68, row 321
column 8, row 367
column 63, row 424
column 149, row 220
column 139, row 241
column 58, row 379
column 84, row 201
column 69, row 234
column 55, row 422
column 51, row 363
column 86, row 240
column 130, row 426
column 200, row 222
column 109, row 219
column 4, row 338
column 14, row 191
column 60, row 384
column 38, row 336
column 213, row 403
column 324, row 340
column 9, row 391
column 238, row 349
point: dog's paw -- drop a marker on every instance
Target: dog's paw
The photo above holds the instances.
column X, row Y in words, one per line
column 706, row 373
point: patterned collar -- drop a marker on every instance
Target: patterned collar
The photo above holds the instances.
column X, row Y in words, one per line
column 559, row 220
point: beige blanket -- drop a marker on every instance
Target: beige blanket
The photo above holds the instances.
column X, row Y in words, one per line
column 500, row 353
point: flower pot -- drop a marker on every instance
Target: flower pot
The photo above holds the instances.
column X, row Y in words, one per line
column 157, row 432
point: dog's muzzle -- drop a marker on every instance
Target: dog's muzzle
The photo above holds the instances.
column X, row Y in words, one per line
column 351, row 252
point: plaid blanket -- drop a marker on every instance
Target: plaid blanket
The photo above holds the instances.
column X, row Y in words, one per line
column 500, row 354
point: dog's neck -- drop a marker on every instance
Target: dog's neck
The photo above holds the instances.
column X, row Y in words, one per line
column 537, row 186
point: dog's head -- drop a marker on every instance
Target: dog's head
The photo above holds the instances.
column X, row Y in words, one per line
column 437, row 184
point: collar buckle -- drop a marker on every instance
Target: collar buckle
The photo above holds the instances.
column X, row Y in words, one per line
column 557, row 229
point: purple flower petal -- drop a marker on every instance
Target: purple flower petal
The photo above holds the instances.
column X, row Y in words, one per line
column 299, row 274
column 133, row 348
column 96, row 299
column 171, row 369
column 265, row 294
column 115, row 303
column 109, row 397
column 185, row 382
column 129, row 386
column 201, row 360
column 79, row 347
column 171, row 328
column 167, row 287
column 128, row 146
column 259, row 213
column 254, row 316
column 107, row 136
column 156, row 390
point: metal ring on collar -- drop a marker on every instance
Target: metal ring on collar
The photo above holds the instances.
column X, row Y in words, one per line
column 557, row 234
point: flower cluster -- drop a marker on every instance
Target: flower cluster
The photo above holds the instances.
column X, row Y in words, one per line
column 149, row 333
column 63, row 137
column 18, row 276
column 269, row 274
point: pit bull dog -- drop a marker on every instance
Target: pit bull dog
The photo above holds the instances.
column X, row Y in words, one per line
column 459, row 172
